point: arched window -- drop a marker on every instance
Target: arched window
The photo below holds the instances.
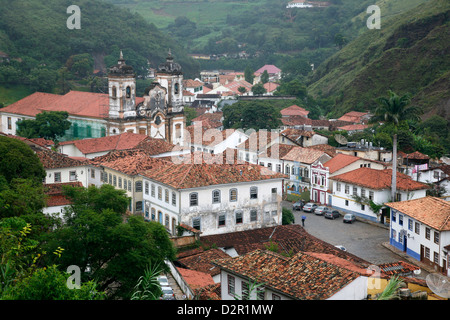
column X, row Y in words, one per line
column 233, row 195
column 177, row 88
column 128, row 92
column 114, row 92
column 193, row 199
column 216, row 196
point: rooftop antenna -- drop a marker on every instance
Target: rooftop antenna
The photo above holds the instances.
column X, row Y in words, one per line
column 439, row 284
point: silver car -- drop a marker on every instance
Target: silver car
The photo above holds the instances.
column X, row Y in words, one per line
column 349, row 217
column 167, row 293
column 309, row 207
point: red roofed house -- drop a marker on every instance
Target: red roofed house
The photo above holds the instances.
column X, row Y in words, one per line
column 158, row 114
column 212, row 198
column 421, row 228
column 273, row 71
column 294, row 110
column 353, row 191
column 95, row 147
column 355, row 117
column 303, row 276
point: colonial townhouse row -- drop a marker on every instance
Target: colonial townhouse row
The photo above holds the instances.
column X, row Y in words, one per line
column 212, row 198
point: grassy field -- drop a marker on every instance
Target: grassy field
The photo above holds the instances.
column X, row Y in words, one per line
column 206, row 13
column 13, row 93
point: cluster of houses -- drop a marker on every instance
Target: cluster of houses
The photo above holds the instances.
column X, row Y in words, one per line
column 225, row 187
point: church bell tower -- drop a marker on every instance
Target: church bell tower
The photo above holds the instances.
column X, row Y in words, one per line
column 122, row 90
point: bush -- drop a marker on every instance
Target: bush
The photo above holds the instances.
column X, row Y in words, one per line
column 287, row 217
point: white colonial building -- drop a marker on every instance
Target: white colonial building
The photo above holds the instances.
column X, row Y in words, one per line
column 212, row 198
column 421, row 228
column 354, row 191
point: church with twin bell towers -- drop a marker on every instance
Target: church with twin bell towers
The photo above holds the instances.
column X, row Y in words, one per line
column 158, row 114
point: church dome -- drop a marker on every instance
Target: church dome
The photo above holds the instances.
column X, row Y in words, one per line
column 169, row 66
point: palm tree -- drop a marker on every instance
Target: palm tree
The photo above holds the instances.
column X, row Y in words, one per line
column 393, row 110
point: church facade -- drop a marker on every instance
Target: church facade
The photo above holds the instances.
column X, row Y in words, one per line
column 158, row 114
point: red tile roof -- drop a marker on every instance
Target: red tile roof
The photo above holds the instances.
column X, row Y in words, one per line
column 303, row 155
column 432, row 211
column 54, row 193
column 183, row 176
column 122, row 141
column 289, row 239
column 353, row 116
column 130, row 162
column 294, row 110
column 352, row 127
column 53, row 160
column 77, row 103
column 270, row 86
column 196, row 279
column 271, row 69
column 302, row 276
column 340, row 161
column 379, row 179
column 203, row 261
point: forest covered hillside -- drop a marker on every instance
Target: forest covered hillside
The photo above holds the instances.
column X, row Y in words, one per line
column 42, row 51
column 409, row 54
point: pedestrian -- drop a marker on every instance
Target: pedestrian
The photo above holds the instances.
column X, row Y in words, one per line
column 303, row 220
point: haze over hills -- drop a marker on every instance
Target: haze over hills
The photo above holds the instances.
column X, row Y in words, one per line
column 409, row 54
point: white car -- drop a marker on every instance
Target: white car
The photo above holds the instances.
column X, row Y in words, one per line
column 163, row 281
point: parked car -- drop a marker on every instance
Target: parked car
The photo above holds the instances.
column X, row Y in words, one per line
column 321, row 210
column 349, row 217
column 298, row 205
column 332, row 214
column 309, row 207
column 163, row 281
column 341, row 247
column 167, row 293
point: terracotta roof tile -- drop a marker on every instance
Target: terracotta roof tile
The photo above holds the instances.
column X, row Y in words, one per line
column 301, row 277
column 303, row 155
column 54, row 160
column 183, row 176
column 294, row 110
column 432, row 211
column 354, row 127
column 270, row 68
column 379, row 179
column 196, row 279
column 84, row 104
column 203, row 261
column 353, row 116
column 340, row 161
column 290, row 239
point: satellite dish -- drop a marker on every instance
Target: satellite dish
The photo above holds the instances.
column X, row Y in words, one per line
column 439, row 284
column 340, row 139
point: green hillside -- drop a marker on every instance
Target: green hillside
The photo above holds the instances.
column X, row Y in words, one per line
column 409, row 54
column 34, row 34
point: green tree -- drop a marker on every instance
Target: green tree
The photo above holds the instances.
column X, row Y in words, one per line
column 18, row 161
column 43, row 79
column 190, row 114
column 48, row 125
column 248, row 74
column 49, row 283
column 258, row 89
column 287, row 216
column 265, row 77
column 394, row 110
column 251, row 115
column 110, row 247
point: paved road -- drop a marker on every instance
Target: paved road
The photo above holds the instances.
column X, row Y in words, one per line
column 359, row 238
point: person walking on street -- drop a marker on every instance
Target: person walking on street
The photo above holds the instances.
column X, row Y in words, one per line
column 303, row 220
